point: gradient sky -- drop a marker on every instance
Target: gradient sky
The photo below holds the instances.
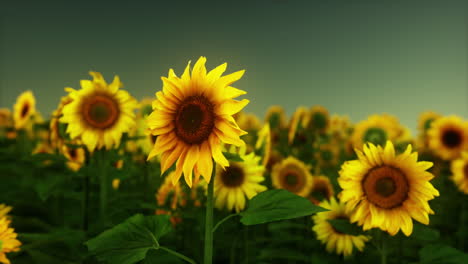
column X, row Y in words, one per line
column 353, row 57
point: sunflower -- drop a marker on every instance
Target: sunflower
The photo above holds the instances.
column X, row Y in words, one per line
column 247, row 121
column 238, row 181
column 24, row 109
column 99, row 112
column 459, row 170
column 300, row 119
column 43, row 148
column 276, row 117
column 4, row 210
column 8, row 241
column 448, row 137
column 263, row 144
column 328, row 154
column 293, row 175
column 342, row 244
column 387, row 190
column 57, row 129
column 76, row 157
column 319, row 118
column 192, row 117
column 339, row 127
column 377, row 129
column 425, row 120
column 5, row 118
column 322, row 189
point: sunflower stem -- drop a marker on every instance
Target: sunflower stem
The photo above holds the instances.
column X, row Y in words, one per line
column 177, row 254
column 383, row 248
column 223, row 220
column 104, row 186
column 208, row 258
column 462, row 224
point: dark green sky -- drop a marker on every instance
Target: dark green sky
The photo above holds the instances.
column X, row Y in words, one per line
column 353, row 57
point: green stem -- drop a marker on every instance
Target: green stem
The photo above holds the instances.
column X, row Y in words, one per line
column 104, row 185
column 85, row 201
column 463, row 220
column 208, row 258
column 246, row 246
column 223, row 220
column 177, row 254
column 383, row 248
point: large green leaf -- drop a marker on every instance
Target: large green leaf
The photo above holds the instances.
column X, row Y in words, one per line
column 274, row 205
column 345, row 227
column 442, row 254
column 129, row 241
column 424, row 233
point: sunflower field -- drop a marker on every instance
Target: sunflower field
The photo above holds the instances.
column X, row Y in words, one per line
column 185, row 176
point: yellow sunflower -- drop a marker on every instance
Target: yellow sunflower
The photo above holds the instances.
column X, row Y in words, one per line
column 319, row 118
column 377, row 129
column 55, row 134
column 99, row 113
column 4, row 210
column 239, row 181
column 276, row 117
column 459, row 170
column 387, row 190
column 24, row 109
column 76, row 157
column 192, row 117
column 293, row 175
column 170, row 195
column 5, row 118
column 263, row 144
column 340, row 243
column 8, row 241
column 300, row 119
column 339, row 127
column 322, row 189
column 247, row 121
column 425, row 120
column 448, row 137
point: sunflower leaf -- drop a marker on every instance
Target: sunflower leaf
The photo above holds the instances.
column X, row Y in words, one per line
column 441, row 254
column 345, row 227
column 424, row 233
column 274, row 205
column 130, row 241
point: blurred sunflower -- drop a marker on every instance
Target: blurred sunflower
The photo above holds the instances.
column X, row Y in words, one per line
column 247, row 121
column 99, row 113
column 263, row 144
column 328, row 154
column 377, row 129
column 459, row 170
column 57, row 129
column 342, row 244
column 4, row 210
column 192, row 117
column 76, row 157
column 239, row 181
column 8, row 241
column 300, row 119
column 322, row 189
column 448, row 137
column 5, row 118
column 276, row 117
column 425, row 120
column 43, row 148
column 293, row 175
column 24, row 109
column 319, row 118
column 339, row 127
column 387, row 190
column 170, row 195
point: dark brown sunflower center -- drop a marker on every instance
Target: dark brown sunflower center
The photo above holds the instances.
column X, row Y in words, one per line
column 25, row 110
column 386, row 187
column 194, row 120
column 465, row 170
column 340, row 217
column 292, row 180
column 73, row 153
column 233, row 176
column 451, row 138
column 100, row 111
column 321, row 191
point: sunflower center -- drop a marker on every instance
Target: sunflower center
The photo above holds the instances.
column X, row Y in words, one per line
column 25, row 110
column 375, row 135
column 194, row 120
column 320, row 192
column 340, row 217
column 451, row 138
column 319, row 120
column 72, row 153
column 427, row 124
column 292, row 181
column 386, row 187
column 100, row 111
column 465, row 170
column 233, row 176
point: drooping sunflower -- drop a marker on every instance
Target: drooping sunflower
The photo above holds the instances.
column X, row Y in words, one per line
column 247, row 121
column 387, row 190
column 339, row 127
column 8, row 241
column 293, row 175
column 340, row 243
column 459, row 170
column 57, row 129
column 99, row 113
column 319, row 118
column 192, row 117
column 448, row 137
column 76, row 157
column 239, row 182
column 24, row 109
column 300, row 119
column 322, row 189
column 263, row 144
column 425, row 120
column 276, row 117
column 377, row 129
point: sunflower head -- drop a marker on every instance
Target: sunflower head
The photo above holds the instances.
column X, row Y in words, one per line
column 6, row 120
column 293, row 175
column 340, row 243
column 276, row 117
column 377, row 129
column 448, row 137
column 298, row 123
column 425, row 120
column 322, row 189
column 192, row 117
column 99, row 113
column 76, row 156
column 24, row 109
column 8, row 240
column 319, row 118
column 386, row 190
column 459, row 169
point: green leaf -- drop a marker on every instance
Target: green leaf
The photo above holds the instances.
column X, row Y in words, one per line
column 274, row 205
column 424, row 233
column 442, row 254
column 159, row 256
column 345, row 227
column 129, row 241
column 232, row 157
